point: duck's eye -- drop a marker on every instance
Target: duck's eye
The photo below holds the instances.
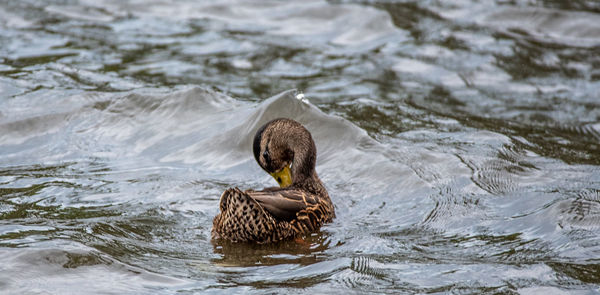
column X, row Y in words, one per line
column 266, row 155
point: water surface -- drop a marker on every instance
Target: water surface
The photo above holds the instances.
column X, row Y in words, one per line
column 459, row 142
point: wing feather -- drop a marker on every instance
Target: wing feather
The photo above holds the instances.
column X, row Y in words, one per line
column 283, row 204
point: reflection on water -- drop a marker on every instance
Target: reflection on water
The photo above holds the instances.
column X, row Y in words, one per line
column 460, row 143
column 303, row 251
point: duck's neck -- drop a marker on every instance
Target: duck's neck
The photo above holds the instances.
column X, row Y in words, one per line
column 300, row 171
column 303, row 170
column 303, row 162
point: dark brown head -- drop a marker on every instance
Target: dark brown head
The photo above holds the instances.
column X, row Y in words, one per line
column 286, row 150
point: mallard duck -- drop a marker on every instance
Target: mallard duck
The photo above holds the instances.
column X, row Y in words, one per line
column 285, row 150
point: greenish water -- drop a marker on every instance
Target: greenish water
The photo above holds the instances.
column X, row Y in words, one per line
column 459, row 142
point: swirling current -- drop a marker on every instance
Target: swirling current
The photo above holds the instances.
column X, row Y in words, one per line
column 459, row 142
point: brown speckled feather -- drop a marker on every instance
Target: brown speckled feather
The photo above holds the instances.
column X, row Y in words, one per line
column 242, row 219
column 269, row 216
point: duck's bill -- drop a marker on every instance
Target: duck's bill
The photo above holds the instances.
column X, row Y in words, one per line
column 283, row 176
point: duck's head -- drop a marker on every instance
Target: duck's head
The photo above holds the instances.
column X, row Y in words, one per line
column 286, row 150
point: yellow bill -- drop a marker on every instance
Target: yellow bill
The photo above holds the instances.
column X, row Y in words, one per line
column 283, row 176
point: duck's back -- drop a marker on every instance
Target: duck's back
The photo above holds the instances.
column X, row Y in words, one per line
column 242, row 219
column 270, row 215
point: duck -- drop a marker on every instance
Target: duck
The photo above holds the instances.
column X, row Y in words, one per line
column 299, row 206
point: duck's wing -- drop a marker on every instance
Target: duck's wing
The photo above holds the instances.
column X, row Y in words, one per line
column 283, row 204
column 243, row 219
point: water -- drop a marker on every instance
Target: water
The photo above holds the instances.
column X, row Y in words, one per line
column 460, row 143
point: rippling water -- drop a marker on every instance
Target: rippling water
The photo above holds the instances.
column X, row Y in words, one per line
column 460, row 143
